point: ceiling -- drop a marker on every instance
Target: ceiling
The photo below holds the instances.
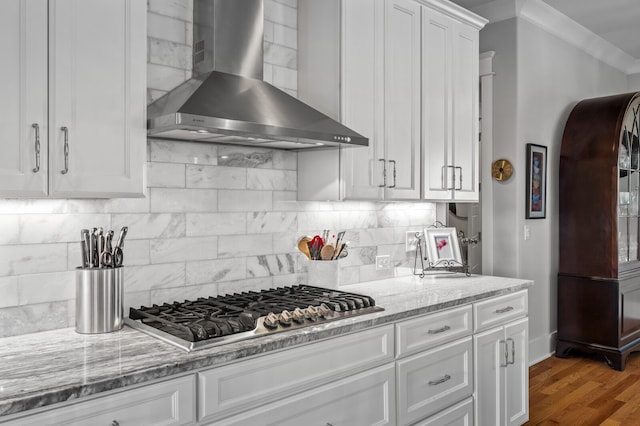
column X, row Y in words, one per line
column 616, row 21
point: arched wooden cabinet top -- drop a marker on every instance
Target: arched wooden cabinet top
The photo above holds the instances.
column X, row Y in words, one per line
column 599, row 184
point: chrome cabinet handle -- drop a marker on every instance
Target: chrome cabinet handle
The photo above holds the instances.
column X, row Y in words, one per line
column 440, row 330
column 36, row 169
column 384, row 173
column 504, row 310
column 513, row 351
column 440, row 381
column 394, row 173
column 506, row 353
column 453, row 178
column 65, row 129
column 459, row 180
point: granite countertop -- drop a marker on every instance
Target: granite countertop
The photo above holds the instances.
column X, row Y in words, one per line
column 44, row 368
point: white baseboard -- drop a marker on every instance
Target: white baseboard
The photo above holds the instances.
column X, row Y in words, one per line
column 542, row 348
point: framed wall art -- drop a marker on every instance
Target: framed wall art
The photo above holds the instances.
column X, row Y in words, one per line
column 443, row 249
column 536, row 181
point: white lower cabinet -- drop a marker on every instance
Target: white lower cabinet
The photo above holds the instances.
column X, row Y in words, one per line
column 364, row 399
column 169, row 403
column 501, row 365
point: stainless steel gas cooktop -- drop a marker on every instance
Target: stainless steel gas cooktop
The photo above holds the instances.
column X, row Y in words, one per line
column 213, row 321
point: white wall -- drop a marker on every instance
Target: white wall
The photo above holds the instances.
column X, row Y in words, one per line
column 549, row 76
column 634, row 82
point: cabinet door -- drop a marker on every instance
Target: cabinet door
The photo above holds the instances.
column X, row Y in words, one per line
column 465, row 106
column 436, row 105
column 489, row 361
column 402, row 99
column 502, row 374
column 517, row 372
column 364, row 399
column 23, row 72
column 97, row 97
column 362, row 103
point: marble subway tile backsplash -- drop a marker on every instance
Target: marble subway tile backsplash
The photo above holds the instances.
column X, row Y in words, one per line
column 187, row 242
column 215, row 219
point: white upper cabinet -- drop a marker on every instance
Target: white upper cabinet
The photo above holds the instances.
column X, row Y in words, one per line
column 381, row 98
column 23, row 109
column 408, row 80
column 97, row 92
column 402, row 100
column 450, row 82
column 362, row 95
column 94, row 137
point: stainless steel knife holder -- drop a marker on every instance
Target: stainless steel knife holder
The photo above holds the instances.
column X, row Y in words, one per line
column 98, row 300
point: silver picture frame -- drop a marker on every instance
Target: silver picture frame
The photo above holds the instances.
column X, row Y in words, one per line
column 443, row 248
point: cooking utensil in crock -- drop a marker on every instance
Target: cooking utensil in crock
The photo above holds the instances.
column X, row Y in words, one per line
column 327, row 252
column 303, row 246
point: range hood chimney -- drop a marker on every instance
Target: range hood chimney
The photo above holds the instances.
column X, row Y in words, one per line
column 227, row 101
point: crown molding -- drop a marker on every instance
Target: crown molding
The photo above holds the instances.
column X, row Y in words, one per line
column 457, row 12
column 553, row 22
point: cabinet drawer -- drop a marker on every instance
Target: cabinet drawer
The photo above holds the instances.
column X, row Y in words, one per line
column 170, row 403
column 422, row 333
column 499, row 310
column 234, row 388
column 459, row 415
column 433, row 380
column 361, row 400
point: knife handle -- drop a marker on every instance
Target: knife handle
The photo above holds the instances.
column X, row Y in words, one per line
column 84, row 247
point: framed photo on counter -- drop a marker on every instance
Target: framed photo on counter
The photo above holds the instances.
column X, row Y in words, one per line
column 443, row 249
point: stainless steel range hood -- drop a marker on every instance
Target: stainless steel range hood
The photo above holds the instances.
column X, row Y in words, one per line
column 227, row 101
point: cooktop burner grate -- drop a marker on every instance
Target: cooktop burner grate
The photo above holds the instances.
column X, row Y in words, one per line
column 217, row 320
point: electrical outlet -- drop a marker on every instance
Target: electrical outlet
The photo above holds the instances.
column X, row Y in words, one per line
column 411, row 241
column 383, row 262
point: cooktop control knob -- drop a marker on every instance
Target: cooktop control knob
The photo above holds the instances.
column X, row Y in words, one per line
column 311, row 313
column 298, row 315
column 285, row 317
column 271, row 320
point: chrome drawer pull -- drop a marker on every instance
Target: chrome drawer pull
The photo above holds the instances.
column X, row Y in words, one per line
column 440, row 381
column 66, row 149
column 36, row 169
column 440, row 330
column 503, row 310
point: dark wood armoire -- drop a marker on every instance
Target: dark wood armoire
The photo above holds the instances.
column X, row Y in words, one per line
column 599, row 265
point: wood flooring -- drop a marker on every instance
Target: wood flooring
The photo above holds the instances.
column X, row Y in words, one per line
column 583, row 390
